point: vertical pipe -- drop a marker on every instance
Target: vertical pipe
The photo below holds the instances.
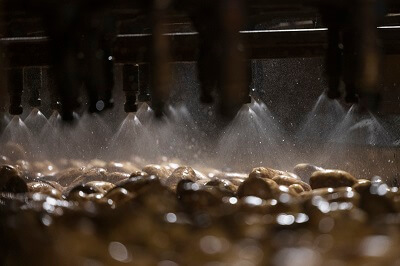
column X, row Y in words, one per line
column 369, row 53
column 234, row 89
column 130, row 86
column 144, row 83
column 15, row 86
column 333, row 19
column 160, row 69
column 51, row 86
column 33, row 84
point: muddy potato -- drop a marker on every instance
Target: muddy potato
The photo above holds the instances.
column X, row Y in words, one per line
column 332, row 179
column 375, row 198
column 194, row 198
column 298, row 188
column 263, row 172
column 116, row 177
column 203, row 182
column 101, row 185
column 137, row 183
column 288, row 205
column 118, row 196
column 186, row 186
column 44, row 188
column 237, row 181
column 304, row 171
column 94, row 174
column 255, row 186
column 394, row 195
column 83, row 188
column 180, row 173
column 231, row 176
column 361, row 185
column 285, row 190
column 81, row 192
column 55, row 185
column 253, row 204
column 137, row 173
column 156, row 198
column 50, row 180
column 200, row 175
column 288, row 180
column 66, row 177
column 157, row 170
column 11, row 181
column 223, row 185
column 341, row 194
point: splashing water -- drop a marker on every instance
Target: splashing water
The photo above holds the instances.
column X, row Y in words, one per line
column 267, row 118
column 57, row 139
column 321, row 121
column 92, row 134
column 183, row 137
column 131, row 139
column 16, row 139
column 36, row 122
column 359, row 144
column 170, row 136
column 316, row 130
column 4, row 121
column 145, row 112
column 361, row 129
column 247, row 143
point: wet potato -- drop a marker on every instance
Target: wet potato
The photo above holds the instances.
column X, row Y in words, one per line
column 258, row 187
column 103, row 213
column 11, row 180
column 305, row 171
column 44, row 188
column 118, row 196
column 157, row 170
column 331, row 179
column 180, row 173
column 289, row 180
column 136, row 183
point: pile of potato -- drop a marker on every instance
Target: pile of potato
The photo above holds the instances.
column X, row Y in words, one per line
column 113, row 213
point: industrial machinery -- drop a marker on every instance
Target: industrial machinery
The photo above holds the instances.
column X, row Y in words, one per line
column 94, row 94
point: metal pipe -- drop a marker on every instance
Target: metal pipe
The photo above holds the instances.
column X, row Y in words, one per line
column 234, row 83
column 130, row 85
column 134, row 48
column 15, row 86
column 144, row 83
column 33, row 84
column 160, row 54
